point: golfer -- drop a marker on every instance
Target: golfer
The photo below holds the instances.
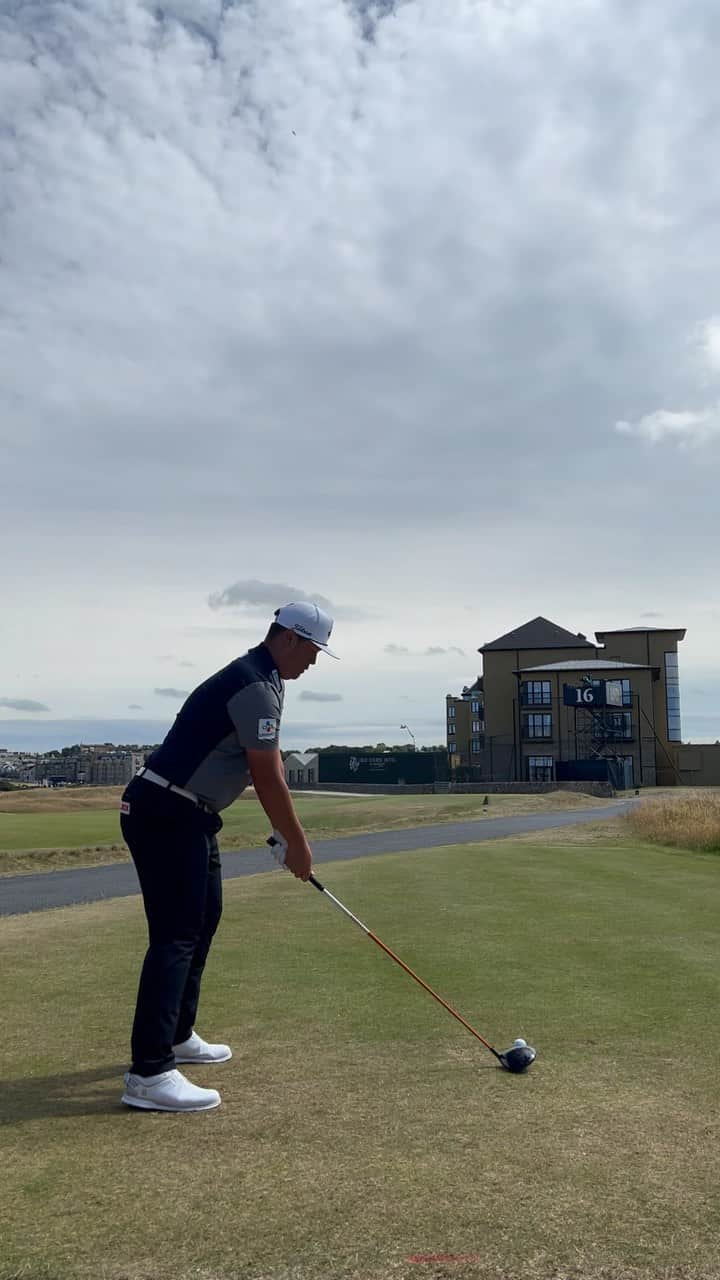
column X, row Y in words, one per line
column 225, row 735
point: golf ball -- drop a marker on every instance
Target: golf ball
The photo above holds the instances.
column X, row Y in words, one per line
column 520, row 1044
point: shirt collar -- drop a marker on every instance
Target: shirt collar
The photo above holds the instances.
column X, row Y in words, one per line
column 264, row 659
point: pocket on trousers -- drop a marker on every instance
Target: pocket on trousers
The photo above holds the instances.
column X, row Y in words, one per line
column 211, row 823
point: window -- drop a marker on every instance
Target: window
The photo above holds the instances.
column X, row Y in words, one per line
column 672, row 697
column 475, row 746
column 477, row 726
column 475, row 707
column 535, row 693
column 613, row 724
column 540, row 768
column 618, row 693
column 451, row 712
column 628, row 767
column 537, row 725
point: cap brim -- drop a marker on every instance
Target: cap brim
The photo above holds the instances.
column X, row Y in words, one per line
column 325, row 649
column 317, row 643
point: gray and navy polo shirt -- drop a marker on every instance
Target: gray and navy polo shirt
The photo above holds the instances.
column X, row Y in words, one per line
column 237, row 709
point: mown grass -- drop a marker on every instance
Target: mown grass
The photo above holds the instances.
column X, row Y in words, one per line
column 360, row 1125
column 689, row 820
column 43, row 839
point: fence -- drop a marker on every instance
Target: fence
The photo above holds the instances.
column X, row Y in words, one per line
column 456, row 788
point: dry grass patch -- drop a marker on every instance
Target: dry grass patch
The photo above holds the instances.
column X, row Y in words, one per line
column 690, row 820
column 19, row 862
column 59, row 799
column 603, row 834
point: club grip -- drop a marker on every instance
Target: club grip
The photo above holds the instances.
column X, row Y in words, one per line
column 271, row 840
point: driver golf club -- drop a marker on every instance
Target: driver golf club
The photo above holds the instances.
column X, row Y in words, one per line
column 516, row 1059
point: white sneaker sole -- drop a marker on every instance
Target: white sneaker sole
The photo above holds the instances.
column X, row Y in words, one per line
column 202, row 1059
column 143, row 1105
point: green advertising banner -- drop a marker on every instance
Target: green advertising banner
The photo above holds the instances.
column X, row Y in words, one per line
column 394, row 767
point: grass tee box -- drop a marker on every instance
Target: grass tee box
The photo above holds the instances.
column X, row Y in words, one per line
column 363, row 1134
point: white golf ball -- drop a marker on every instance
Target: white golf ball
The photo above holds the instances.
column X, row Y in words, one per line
column 520, row 1044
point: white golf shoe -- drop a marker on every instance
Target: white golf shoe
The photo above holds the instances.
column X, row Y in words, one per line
column 169, row 1091
column 195, row 1049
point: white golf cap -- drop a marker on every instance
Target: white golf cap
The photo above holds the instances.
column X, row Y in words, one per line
column 308, row 621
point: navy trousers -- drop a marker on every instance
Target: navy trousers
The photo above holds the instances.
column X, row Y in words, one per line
column 173, row 846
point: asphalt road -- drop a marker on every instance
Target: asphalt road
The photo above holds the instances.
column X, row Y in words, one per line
column 22, row 894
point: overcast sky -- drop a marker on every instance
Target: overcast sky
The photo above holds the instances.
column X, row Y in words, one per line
column 413, row 307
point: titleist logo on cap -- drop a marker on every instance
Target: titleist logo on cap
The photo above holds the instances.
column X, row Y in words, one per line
column 307, row 620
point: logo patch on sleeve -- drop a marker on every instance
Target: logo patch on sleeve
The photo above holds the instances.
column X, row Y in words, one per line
column 267, row 729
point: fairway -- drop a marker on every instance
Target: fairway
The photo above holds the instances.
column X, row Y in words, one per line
column 361, row 1126
column 46, row 830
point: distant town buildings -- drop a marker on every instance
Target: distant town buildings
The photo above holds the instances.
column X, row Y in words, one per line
column 99, row 764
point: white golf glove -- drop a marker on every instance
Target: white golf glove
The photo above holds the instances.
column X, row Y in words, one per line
column 278, row 848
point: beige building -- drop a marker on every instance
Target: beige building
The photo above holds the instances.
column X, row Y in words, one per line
column 557, row 706
column 466, row 727
column 115, row 768
column 96, row 766
column 699, row 764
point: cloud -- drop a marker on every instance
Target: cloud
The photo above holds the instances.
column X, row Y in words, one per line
column 23, row 704
column 349, row 302
column 134, row 706
column 195, row 630
column 170, row 657
column 435, row 650
column 307, row 695
column 263, row 595
column 172, row 693
column 432, row 651
column 371, row 12
column 708, row 341
column 686, row 427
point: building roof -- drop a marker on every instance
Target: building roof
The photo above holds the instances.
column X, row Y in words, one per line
column 477, row 687
column 303, row 758
column 539, row 634
column 626, row 631
column 590, row 665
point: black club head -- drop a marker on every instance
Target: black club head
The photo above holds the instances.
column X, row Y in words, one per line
column 518, row 1059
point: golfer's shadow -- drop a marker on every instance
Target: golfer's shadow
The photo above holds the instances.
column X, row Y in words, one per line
column 74, row 1093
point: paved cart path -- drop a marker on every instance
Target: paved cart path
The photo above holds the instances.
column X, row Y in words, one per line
column 21, row 894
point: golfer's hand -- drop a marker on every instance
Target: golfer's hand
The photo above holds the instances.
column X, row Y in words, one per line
column 298, row 858
column 295, row 857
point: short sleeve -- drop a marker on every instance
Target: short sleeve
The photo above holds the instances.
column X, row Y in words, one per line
column 255, row 712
